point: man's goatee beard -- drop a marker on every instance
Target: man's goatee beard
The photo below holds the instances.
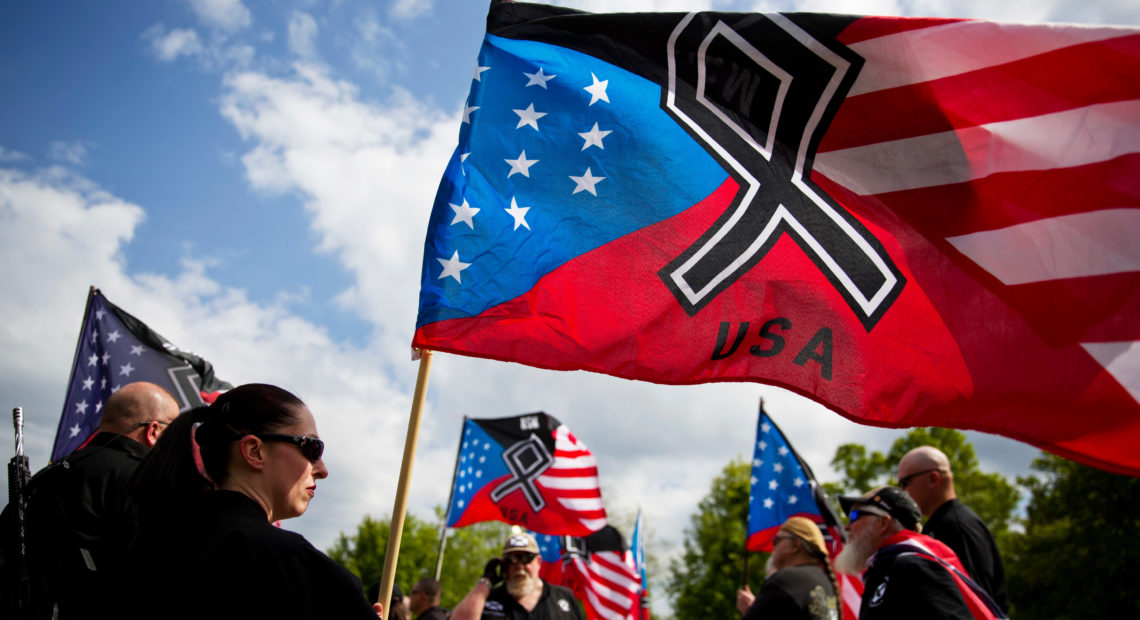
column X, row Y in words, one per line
column 852, row 560
column 520, row 585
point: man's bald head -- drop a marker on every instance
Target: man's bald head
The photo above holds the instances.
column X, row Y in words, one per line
column 925, row 474
column 140, row 411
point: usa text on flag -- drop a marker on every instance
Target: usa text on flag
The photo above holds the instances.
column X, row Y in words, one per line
column 912, row 221
column 528, row 470
column 115, row 349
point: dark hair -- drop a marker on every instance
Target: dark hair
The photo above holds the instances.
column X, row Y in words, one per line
column 168, row 484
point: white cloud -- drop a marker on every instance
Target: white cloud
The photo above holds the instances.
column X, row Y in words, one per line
column 409, row 9
column 74, row 153
column 225, row 15
column 8, row 156
column 303, row 35
column 169, row 46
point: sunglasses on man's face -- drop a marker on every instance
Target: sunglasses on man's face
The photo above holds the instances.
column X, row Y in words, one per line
column 856, row 514
column 311, row 447
column 520, row 558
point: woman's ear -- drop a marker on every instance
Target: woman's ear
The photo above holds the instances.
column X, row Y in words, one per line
column 253, row 452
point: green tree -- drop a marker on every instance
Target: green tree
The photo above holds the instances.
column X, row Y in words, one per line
column 704, row 581
column 468, row 549
column 1077, row 557
column 988, row 494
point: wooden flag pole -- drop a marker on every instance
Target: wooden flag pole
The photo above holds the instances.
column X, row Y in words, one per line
column 395, row 533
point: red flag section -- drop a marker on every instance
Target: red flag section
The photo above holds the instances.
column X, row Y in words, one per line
column 937, row 229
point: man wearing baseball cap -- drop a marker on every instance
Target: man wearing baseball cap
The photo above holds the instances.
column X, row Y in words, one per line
column 523, row 595
column 908, row 575
column 800, row 582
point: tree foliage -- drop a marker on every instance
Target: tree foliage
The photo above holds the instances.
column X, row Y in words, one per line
column 468, row 549
column 1077, row 557
column 988, row 494
column 705, row 580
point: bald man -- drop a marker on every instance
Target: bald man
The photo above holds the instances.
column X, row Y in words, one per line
column 925, row 474
column 80, row 515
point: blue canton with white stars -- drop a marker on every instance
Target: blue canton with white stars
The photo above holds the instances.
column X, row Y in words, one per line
column 480, row 461
column 780, row 488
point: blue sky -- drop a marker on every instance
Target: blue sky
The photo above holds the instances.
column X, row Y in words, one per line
column 253, row 180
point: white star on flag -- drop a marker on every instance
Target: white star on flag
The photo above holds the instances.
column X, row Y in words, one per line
column 478, row 77
column 594, row 137
column 586, row 182
column 519, row 213
column 521, row 165
column 778, row 467
column 538, row 78
column 763, row 445
column 529, row 117
column 765, row 427
column 137, row 349
column 93, row 360
column 81, row 407
column 773, row 484
column 114, row 336
column 452, row 267
column 597, row 90
column 88, row 383
column 792, row 499
column 768, row 502
column 467, row 110
column 783, row 451
column 99, row 314
column 106, row 358
column 464, row 213
column 126, row 370
column 74, row 430
column 799, row 482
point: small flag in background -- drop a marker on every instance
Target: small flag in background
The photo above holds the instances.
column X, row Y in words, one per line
column 637, row 556
column 527, row 470
column 550, row 548
column 115, row 349
column 916, row 222
column 598, row 572
column 784, row 486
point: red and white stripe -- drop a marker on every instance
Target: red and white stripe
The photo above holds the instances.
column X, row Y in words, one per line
column 609, row 586
column 572, row 481
column 1018, row 147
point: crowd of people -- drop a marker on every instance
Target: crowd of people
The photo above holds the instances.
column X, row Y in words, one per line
column 168, row 515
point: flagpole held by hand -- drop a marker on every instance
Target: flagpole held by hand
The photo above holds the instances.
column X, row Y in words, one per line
column 395, row 533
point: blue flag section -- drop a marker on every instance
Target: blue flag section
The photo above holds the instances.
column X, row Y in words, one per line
column 115, row 349
column 637, row 550
column 782, row 486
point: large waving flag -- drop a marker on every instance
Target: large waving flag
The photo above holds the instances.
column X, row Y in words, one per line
column 527, row 470
column 911, row 221
column 115, row 349
column 784, row 486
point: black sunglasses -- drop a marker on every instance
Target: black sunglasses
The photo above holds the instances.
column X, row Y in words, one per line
column 855, row 513
column 906, row 480
column 520, row 558
column 311, row 447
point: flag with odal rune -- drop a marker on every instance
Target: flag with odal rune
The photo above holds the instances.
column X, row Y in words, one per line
column 115, row 349
column 527, row 470
column 912, row 221
column 602, row 576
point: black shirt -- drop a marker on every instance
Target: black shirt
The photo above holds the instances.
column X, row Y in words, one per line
column 907, row 587
column 796, row 592
column 228, row 561
column 964, row 531
column 556, row 603
column 434, row 613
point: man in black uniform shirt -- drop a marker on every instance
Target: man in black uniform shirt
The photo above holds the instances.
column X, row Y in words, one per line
column 925, row 474
column 425, row 600
column 800, row 582
column 523, row 595
column 80, row 515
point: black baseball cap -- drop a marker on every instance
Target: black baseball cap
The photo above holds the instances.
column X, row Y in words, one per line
column 891, row 500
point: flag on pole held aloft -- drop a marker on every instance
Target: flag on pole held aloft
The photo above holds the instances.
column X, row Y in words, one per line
column 527, row 470
column 783, row 486
column 911, row 221
column 602, row 576
column 637, row 556
column 115, row 349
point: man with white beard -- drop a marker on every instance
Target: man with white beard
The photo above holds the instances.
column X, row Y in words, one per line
column 908, row 575
column 799, row 581
column 524, row 595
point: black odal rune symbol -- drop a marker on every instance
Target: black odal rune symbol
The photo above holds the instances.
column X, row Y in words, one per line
column 526, row 460
column 188, row 386
column 760, row 97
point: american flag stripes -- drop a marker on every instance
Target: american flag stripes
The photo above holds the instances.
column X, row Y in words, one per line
column 602, row 577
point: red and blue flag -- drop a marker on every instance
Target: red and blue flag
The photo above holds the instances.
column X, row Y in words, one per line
column 527, row 470
column 916, row 222
column 115, row 349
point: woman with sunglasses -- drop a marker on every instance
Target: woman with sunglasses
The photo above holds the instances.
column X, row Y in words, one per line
column 208, row 496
